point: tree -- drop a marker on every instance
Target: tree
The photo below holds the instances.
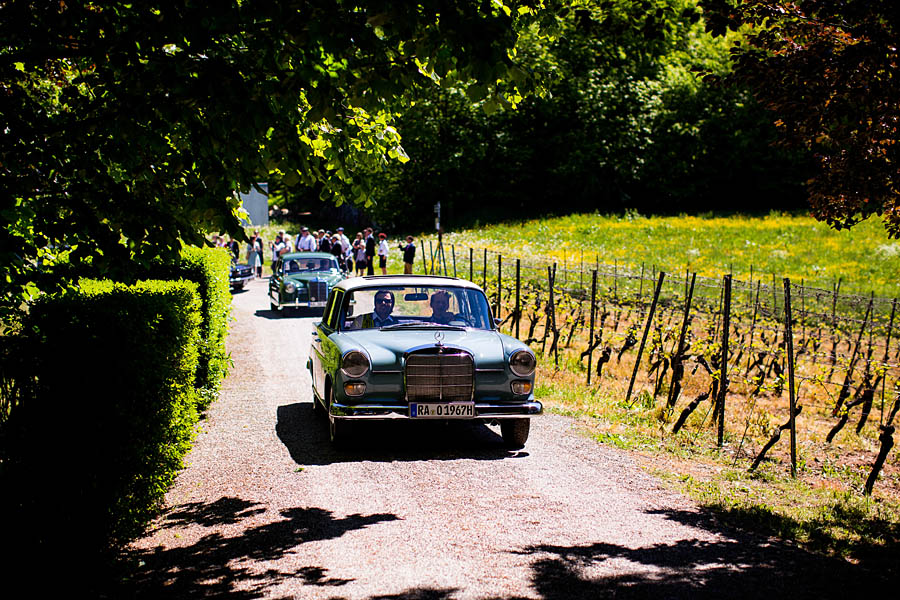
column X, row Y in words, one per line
column 128, row 127
column 828, row 71
column 628, row 122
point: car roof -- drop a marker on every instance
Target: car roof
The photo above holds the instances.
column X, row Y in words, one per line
column 302, row 255
column 374, row 281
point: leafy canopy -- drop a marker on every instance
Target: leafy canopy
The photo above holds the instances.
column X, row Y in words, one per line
column 828, row 70
column 128, row 127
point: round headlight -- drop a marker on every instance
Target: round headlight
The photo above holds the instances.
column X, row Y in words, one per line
column 289, row 287
column 355, row 364
column 522, row 363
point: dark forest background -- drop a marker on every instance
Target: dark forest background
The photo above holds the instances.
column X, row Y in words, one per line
column 636, row 117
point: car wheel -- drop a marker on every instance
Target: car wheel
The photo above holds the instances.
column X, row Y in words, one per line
column 339, row 430
column 515, row 432
column 318, row 409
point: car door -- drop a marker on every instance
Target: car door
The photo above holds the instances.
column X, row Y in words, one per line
column 275, row 282
column 319, row 352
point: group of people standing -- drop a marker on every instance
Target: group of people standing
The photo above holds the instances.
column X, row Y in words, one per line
column 358, row 254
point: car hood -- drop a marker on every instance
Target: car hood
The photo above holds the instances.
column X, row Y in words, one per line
column 386, row 348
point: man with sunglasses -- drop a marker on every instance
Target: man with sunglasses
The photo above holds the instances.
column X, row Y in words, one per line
column 384, row 304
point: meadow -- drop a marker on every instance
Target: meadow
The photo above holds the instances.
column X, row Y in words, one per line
column 864, row 259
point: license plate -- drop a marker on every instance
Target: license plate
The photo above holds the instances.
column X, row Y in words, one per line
column 317, row 304
column 442, row 410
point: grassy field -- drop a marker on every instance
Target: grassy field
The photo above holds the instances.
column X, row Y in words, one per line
column 799, row 247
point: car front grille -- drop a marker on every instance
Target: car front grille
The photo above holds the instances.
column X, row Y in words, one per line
column 444, row 374
column 318, row 290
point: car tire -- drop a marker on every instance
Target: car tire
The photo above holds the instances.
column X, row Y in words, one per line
column 339, row 430
column 515, row 432
column 318, row 409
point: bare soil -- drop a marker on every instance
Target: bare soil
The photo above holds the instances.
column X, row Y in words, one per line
column 267, row 508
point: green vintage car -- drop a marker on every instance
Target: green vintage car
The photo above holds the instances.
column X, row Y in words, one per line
column 418, row 347
column 303, row 280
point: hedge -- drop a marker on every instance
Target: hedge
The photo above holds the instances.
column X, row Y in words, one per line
column 209, row 269
column 88, row 459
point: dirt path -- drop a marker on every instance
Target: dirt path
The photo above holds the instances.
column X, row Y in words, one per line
column 268, row 509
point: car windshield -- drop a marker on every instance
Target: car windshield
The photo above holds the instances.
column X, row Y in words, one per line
column 403, row 307
column 306, row 265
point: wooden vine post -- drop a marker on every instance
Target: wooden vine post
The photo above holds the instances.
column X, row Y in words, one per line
column 431, row 252
column 453, row 254
column 723, row 383
column 424, row 261
column 789, row 339
column 591, row 330
column 484, row 271
column 518, row 296
column 499, row 285
column 471, row 263
column 637, row 361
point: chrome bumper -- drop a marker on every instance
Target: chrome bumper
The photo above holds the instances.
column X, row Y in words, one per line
column 234, row 280
column 483, row 411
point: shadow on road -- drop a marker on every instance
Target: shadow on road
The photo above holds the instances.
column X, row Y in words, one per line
column 742, row 566
column 305, row 435
column 220, row 565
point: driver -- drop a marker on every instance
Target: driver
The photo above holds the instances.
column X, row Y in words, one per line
column 440, row 303
column 384, row 304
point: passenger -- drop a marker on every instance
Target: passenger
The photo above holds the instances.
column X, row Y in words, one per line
column 440, row 303
column 384, row 305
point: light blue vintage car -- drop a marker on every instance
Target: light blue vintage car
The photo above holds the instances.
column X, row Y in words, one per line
column 418, row 347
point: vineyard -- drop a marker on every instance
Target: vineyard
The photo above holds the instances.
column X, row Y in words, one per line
column 700, row 353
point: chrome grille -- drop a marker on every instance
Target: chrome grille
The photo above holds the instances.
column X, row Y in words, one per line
column 318, row 290
column 446, row 375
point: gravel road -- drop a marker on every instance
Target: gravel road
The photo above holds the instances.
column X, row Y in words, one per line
column 266, row 508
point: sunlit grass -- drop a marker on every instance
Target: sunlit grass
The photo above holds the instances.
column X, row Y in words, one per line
column 799, row 247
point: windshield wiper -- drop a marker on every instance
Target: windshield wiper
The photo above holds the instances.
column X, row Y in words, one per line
column 423, row 324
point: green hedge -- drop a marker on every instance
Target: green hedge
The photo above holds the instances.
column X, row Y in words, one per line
column 88, row 459
column 209, row 269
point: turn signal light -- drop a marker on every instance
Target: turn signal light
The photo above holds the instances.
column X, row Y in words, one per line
column 521, row 387
column 354, row 388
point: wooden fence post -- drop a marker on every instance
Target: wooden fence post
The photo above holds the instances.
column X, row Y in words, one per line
column 453, row 253
column 723, row 383
column 637, row 362
column 424, row 261
column 499, row 285
column 518, row 296
column 789, row 339
column 484, row 272
column 591, row 331
column 431, row 252
column 471, row 261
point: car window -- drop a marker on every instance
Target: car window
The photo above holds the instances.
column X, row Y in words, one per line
column 331, row 312
column 309, row 265
column 412, row 306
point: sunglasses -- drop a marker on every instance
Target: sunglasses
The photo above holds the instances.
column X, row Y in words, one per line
column 384, row 301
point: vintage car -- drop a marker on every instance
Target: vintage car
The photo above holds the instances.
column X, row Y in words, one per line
column 303, row 280
column 240, row 275
column 418, row 347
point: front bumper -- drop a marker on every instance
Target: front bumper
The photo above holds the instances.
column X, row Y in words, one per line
column 241, row 280
column 299, row 304
column 483, row 411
